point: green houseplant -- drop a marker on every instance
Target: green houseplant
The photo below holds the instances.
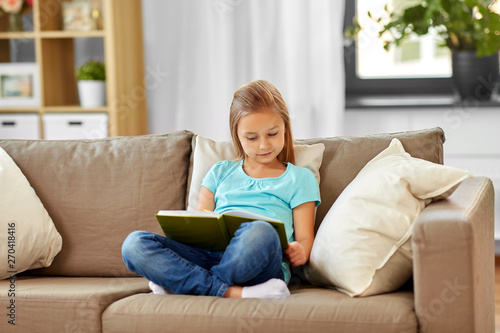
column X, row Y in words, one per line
column 91, row 78
column 469, row 28
column 91, row 70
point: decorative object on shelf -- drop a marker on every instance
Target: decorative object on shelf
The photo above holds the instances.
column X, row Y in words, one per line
column 19, row 85
column 15, row 9
column 91, row 78
column 78, row 16
column 469, row 28
column 97, row 14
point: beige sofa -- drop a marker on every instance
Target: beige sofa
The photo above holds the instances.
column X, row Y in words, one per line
column 98, row 191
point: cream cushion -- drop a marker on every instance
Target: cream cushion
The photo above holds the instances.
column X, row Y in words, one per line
column 28, row 236
column 363, row 244
column 207, row 152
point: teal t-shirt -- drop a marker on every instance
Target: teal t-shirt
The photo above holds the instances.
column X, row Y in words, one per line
column 271, row 197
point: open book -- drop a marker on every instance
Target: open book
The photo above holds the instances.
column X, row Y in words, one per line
column 209, row 230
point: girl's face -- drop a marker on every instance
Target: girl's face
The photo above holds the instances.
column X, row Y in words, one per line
column 262, row 136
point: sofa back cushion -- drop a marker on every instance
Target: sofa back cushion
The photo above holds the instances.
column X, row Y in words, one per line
column 98, row 191
column 344, row 157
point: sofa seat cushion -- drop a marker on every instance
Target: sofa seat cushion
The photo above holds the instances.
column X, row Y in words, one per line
column 63, row 304
column 308, row 309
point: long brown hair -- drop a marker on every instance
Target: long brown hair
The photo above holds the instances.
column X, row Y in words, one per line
column 253, row 97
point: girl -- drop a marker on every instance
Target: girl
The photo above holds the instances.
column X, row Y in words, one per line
column 263, row 180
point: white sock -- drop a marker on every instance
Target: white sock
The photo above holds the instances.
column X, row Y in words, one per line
column 159, row 290
column 274, row 288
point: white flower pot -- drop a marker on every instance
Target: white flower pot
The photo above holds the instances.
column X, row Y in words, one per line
column 92, row 93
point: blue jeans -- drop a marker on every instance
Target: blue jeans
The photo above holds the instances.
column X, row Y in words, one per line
column 253, row 256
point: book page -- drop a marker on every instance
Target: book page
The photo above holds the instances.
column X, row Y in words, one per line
column 250, row 215
column 188, row 213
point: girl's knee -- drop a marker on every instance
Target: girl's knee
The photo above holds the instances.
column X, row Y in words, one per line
column 132, row 242
column 258, row 252
column 133, row 237
column 261, row 227
column 260, row 232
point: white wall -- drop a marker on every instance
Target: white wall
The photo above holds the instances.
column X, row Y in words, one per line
column 472, row 136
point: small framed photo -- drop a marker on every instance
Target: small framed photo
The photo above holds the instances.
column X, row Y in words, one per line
column 19, row 84
column 77, row 16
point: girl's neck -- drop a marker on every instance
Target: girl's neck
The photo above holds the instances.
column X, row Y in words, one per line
column 260, row 170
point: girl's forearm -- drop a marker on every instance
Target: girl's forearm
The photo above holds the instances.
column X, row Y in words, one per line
column 307, row 245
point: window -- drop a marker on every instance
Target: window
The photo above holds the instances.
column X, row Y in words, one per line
column 416, row 67
column 417, row 57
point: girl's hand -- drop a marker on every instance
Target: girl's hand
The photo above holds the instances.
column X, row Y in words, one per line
column 296, row 254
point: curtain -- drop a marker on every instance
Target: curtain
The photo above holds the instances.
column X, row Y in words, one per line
column 198, row 52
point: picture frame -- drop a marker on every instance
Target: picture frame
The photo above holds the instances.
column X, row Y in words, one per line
column 19, row 85
column 77, row 16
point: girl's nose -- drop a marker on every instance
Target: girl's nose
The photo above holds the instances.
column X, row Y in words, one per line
column 264, row 144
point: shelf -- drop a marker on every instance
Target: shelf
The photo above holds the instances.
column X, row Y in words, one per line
column 72, row 108
column 58, row 52
column 415, row 101
column 19, row 110
column 71, row 34
column 52, row 34
column 17, row 35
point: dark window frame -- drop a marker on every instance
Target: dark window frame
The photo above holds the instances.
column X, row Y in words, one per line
column 356, row 87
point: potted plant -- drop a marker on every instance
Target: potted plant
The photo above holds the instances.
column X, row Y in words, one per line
column 91, row 78
column 469, row 28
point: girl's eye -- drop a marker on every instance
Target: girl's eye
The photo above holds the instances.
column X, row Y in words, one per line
column 251, row 138
column 273, row 134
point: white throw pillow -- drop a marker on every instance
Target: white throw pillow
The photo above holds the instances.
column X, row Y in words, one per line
column 28, row 236
column 363, row 244
column 207, row 152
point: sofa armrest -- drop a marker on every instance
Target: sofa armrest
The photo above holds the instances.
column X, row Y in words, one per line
column 454, row 269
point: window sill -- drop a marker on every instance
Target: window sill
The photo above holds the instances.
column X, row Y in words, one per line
column 415, row 101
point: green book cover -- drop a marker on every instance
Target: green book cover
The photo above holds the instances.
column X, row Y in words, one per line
column 209, row 230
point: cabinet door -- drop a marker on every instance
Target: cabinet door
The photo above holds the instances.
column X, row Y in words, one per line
column 19, row 126
column 75, row 126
